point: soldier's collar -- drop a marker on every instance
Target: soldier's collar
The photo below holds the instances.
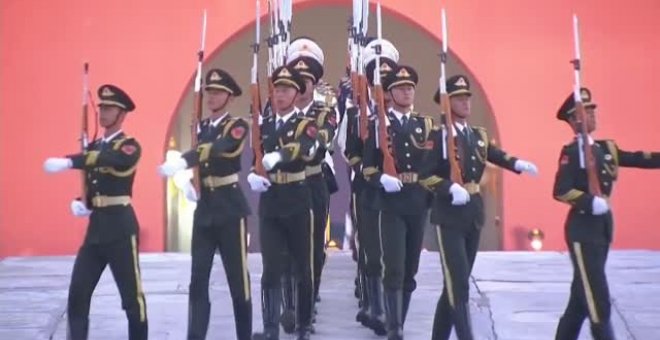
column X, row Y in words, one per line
column 285, row 118
column 305, row 109
column 111, row 137
column 217, row 121
column 399, row 115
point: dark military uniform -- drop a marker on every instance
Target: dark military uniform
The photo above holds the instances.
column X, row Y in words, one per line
column 285, row 213
column 458, row 227
column 112, row 233
column 402, row 214
column 588, row 236
column 219, row 220
column 366, row 214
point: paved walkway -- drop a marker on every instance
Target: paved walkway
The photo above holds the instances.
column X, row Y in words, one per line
column 515, row 295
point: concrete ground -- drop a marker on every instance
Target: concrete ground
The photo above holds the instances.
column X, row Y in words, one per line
column 514, row 296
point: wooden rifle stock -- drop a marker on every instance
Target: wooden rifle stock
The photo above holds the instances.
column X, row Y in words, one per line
column 363, row 97
column 256, row 130
column 383, row 136
column 196, row 120
column 589, row 159
column 454, row 165
column 84, row 129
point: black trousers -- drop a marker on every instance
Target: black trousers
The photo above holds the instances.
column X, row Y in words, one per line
column 590, row 296
column 228, row 235
column 284, row 236
column 401, row 239
column 320, row 208
column 458, row 251
column 122, row 256
column 369, row 238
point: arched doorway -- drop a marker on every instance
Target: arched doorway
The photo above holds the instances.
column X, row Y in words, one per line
column 326, row 23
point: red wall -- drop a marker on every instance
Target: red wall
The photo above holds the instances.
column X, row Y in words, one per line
column 519, row 50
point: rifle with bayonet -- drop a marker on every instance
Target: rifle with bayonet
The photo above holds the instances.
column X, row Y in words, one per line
column 383, row 136
column 255, row 94
column 589, row 159
column 198, row 100
column 445, row 109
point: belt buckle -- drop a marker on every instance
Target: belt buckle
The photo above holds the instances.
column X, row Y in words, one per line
column 280, row 177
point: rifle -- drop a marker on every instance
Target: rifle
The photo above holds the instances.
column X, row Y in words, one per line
column 362, row 83
column 84, row 130
column 384, row 144
column 587, row 151
column 445, row 108
column 197, row 115
column 255, row 107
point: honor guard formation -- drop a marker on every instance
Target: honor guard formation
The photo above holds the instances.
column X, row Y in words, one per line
column 408, row 169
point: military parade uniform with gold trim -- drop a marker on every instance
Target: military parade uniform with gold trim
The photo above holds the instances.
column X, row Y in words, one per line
column 589, row 233
column 402, row 214
column 285, row 212
column 371, row 313
column 458, row 227
column 112, row 236
column 220, row 216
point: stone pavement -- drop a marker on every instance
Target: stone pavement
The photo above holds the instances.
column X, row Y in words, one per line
column 514, row 295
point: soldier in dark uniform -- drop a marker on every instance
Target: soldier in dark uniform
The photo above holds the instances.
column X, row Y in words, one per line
column 589, row 224
column 365, row 216
column 457, row 210
column 285, row 205
column 401, row 201
column 219, row 220
column 112, row 234
column 307, row 58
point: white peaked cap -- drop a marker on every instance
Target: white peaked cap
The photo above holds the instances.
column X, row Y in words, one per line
column 304, row 47
column 387, row 50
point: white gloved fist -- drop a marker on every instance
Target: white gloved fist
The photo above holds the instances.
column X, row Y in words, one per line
column 171, row 167
column 460, row 196
column 390, row 183
column 599, row 206
column 525, row 166
column 79, row 209
column 271, row 159
column 53, row 165
column 258, row 183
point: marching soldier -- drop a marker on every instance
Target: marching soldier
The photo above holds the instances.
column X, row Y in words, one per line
column 401, row 201
column 364, row 215
column 589, row 222
column 307, row 58
column 219, row 220
column 457, row 210
column 112, row 233
column 285, row 206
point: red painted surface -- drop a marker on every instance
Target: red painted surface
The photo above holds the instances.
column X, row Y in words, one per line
column 518, row 50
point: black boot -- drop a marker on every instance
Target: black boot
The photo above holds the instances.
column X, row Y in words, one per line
column 602, row 331
column 77, row 328
column 137, row 329
column 199, row 312
column 304, row 305
column 568, row 328
column 271, row 300
column 442, row 320
column 243, row 318
column 376, row 313
column 288, row 318
column 393, row 309
column 462, row 323
column 406, row 305
column 363, row 314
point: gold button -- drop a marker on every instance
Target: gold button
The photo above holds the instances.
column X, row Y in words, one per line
column 473, row 158
column 474, row 169
column 408, row 166
column 606, row 183
column 94, row 181
column 405, row 144
column 603, row 172
column 407, row 155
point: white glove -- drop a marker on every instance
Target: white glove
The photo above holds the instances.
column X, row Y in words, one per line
column 599, row 206
column 271, row 159
column 79, row 209
column 460, row 196
column 390, row 183
column 172, row 166
column 258, row 183
column 525, row 166
column 53, row 165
